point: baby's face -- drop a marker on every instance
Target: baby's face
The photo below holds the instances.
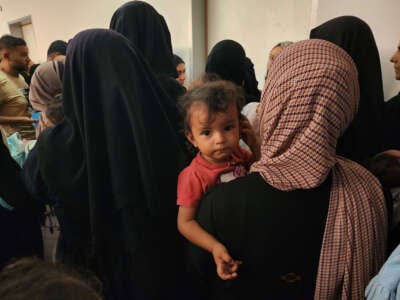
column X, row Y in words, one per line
column 216, row 134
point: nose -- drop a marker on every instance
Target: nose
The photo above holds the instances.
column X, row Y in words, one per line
column 219, row 137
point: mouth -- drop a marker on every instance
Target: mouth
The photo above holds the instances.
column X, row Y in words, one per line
column 223, row 151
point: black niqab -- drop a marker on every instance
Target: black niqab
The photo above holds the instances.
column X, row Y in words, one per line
column 228, row 60
column 147, row 30
column 112, row 165
column 363, row 138
column 141, row 24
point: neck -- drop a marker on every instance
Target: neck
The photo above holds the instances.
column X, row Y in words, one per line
column 8, row 70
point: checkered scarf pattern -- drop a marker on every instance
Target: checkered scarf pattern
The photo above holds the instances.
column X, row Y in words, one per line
column 310, row 97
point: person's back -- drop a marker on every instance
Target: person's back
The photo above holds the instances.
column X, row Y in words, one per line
column 116, row 206
column 342, row 237
column 280, row 263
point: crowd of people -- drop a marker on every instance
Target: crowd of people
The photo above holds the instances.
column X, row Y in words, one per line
column 169, row 189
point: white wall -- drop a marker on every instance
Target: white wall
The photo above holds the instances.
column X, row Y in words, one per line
column 258, row 25
column 60, row 19
column 383, row 18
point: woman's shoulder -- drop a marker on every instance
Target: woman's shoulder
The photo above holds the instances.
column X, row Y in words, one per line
column 242, row 186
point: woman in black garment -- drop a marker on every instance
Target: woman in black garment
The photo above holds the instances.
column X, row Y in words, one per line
column 228, row 60
column 115, row 186
column 147, row 30
column 306, row 223
column 364, row 137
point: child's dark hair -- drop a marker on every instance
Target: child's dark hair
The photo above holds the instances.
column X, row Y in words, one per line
column 205, row 77
column 55, row 110
column 216, row 95
column 32, row 278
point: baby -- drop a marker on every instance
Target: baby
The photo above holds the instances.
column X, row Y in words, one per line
column 213, row 124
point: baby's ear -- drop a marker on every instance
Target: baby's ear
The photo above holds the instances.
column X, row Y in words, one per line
column 190, row 137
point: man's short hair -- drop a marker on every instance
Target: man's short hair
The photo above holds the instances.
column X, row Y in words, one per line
column 8, row 42
column 57, row 46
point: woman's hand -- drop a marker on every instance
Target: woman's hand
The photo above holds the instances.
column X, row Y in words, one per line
column 249, row 137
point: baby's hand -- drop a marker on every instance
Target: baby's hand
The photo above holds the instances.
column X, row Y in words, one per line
column 249, row 137
column 226, row 266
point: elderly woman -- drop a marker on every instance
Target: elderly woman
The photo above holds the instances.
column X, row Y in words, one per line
column 305, row 222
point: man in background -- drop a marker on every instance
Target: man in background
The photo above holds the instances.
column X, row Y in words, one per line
column 14, row 112
column 57, row 50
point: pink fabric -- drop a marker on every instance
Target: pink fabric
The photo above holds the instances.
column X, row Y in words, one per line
column 200, row 175
column 45, row 85
column 310, row 98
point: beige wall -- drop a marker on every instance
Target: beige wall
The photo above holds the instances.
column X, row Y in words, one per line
column 258, row 25
column 383, row 18
column 61, row 19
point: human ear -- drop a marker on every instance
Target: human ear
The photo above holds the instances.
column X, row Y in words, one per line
column 190, row 138
column 6, row 55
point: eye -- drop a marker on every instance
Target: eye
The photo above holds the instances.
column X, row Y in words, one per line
column 205, row 132
column 228, row 128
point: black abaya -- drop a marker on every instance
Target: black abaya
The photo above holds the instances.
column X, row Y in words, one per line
column 112, row 165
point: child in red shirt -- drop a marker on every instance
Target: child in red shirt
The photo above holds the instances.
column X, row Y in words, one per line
column 213, row 124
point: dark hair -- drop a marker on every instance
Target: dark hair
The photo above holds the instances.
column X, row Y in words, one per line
column 32, row 278
column 386, row 168
column 216, row 95
column 55, row 110
column 8, row 41
column 205, row 77
column 57, row 46
column 177, row 60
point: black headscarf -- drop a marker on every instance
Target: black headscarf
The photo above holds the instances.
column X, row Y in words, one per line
column 250, row 82
column 112, row 165
column 147, row 30
column 228, row 60
column 363, row 138
column 141, row 24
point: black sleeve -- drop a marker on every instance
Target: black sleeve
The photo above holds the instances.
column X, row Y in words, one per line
column 12, row 187
column 33, row 180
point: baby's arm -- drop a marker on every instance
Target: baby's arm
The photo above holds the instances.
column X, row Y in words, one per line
column 249, row 137
column 190, row 229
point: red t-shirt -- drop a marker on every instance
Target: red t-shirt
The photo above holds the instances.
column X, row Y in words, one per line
column 200, row 175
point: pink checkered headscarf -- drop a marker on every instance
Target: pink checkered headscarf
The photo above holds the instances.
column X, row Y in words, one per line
column 310, row 98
